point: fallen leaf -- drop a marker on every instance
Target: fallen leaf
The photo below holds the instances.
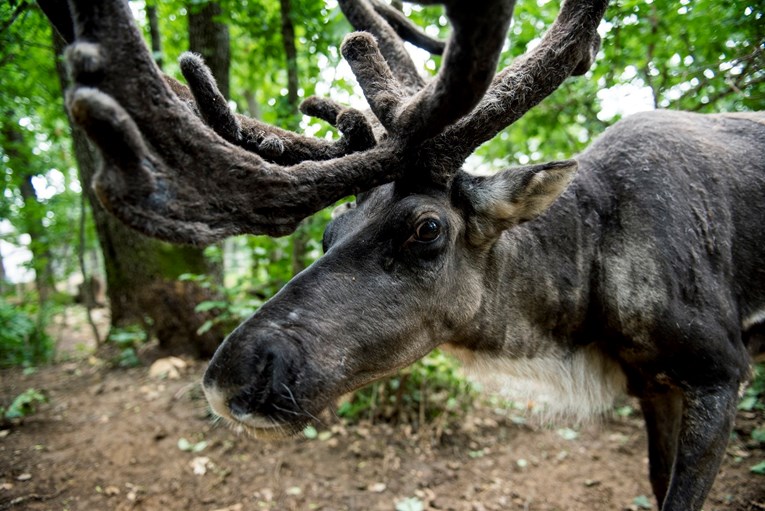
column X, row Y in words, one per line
column 235, row 507
column 568, row 434
column 377, row 487
column 168, row 368
column 266, row 494
column 310, row 432
column 410, row 504
column 111, row 490
column 200, row 464
column 132, row 495
column 642, row 502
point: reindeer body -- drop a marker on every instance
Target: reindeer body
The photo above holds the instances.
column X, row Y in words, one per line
column 646, row 275
column 654, row 245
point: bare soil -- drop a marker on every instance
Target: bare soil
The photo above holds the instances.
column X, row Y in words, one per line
column 108, row 439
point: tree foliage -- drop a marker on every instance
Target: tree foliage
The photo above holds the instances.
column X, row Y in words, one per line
column 35, row 145
column 696, row 55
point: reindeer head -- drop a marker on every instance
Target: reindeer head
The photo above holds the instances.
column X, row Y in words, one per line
column 405, row 266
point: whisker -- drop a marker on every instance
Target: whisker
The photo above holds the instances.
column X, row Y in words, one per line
column 291, row 412
column 303, row 410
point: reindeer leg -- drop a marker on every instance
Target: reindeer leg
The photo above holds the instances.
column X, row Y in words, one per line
column 705, row 425
column 662, row 414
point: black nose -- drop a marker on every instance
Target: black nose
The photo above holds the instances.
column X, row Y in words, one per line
column 258, row 379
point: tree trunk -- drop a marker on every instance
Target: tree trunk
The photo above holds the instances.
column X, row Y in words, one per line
column 209, row 38
column 156, row 39
column 42, row 259
column 141, row 273
column 253, row 109
column 3, row 278
column 290, row 52
column 301, row 235
column 33, row 211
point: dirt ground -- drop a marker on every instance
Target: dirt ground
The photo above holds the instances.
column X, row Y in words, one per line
column 121, row 440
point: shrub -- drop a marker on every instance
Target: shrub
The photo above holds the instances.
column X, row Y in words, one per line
column 428, row 389
column 127, row 340
column 24, row 405
column 23, row 340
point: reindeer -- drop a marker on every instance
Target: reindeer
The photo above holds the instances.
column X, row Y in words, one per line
column 642, row 273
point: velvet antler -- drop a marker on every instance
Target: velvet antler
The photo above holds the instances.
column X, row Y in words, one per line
column 391, row 84
column 179, row 165
column 568, row 48
column 169, row 175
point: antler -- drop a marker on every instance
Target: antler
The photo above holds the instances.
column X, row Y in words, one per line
column 396, row 93
column 169, row 175
column 407, row 30
column 275, row 144
column 568, row 48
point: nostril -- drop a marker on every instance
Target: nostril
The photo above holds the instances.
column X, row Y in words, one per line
column 239, row 406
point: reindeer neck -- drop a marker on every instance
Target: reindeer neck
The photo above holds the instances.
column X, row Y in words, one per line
column 543, row 291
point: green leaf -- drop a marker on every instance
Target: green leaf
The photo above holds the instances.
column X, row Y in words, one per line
column 25, row 404
column 128, row 358
column 758, row 468
column 748, row 403
column 642, row 502
column 206, row 326
column 210, row 305
column 410, row 504
column 186, row 446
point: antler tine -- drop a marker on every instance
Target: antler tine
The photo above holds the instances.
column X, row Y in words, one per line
column 362, row 16
column 271, row 142
column 568, row 48
column 407, row 30
column 167, row 174
column 468, row 66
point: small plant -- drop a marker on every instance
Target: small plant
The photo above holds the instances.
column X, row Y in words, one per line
column 237, row 302
column 417, row 395
column 127, row 341
column 187, row 446
column 24, row 405
column 754, row 395
column 23, row 340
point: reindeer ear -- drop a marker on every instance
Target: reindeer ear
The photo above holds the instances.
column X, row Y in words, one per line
column 512, row 196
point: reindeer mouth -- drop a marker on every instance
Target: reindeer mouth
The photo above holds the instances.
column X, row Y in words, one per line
column 257, row 426
column 268, row 432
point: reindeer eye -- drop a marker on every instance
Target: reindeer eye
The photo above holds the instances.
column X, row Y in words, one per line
column 427, row 230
